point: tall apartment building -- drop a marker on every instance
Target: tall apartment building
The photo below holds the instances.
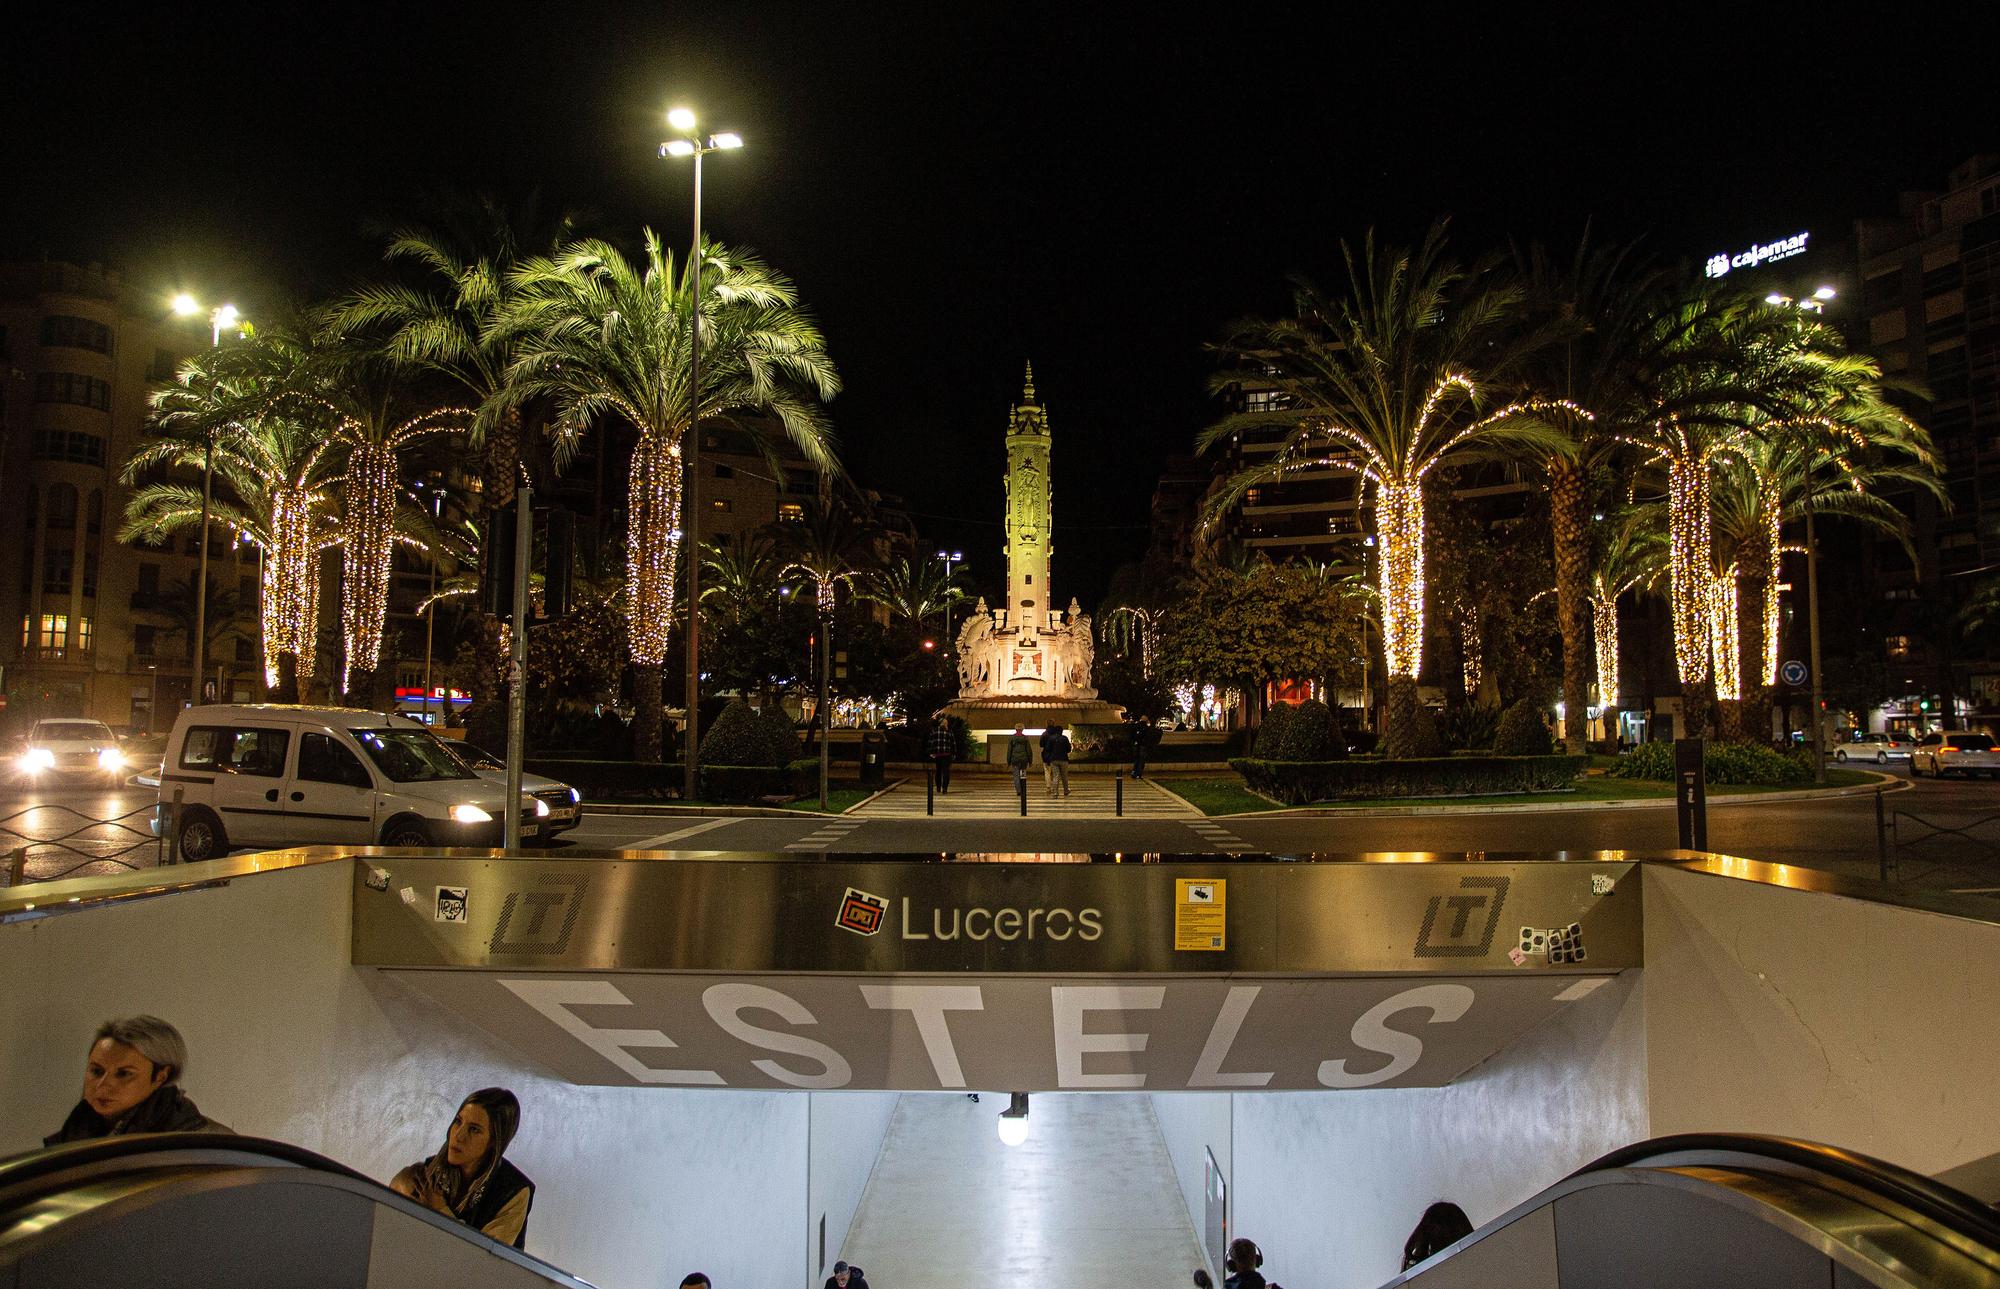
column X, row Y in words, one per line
column 1930, row 288
column 102, row 631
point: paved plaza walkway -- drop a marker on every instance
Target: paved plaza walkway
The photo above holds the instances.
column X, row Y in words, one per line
column 991, row 796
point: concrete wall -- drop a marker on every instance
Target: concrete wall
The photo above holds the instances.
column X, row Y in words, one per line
column 634, row 1186
column 1193, row 1125
column 847, row 1131
column 1329, row 1184
column 1797, row 1014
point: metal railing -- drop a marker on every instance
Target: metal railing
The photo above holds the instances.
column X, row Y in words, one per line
column 117, row 840
column 1899, row 835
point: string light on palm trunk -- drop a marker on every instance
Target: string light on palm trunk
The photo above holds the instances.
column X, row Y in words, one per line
column 1722, row 605
column 1770, row 520
column 291, row 592
column 1689, row 574
column 1604, row 624
column 652, row 550
column 372, row 494
column 1399, row 521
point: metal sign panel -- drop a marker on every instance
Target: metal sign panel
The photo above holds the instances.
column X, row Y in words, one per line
column 737, row 914
column 1013, row 1033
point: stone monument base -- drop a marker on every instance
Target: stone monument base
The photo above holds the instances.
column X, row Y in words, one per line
column 988, row 715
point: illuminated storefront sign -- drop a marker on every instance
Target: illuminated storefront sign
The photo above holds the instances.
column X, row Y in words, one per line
column 1784, row 248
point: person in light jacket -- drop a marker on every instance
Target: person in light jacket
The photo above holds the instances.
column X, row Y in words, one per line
column 468, row 1179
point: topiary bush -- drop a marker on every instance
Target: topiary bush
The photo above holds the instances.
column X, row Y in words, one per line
column 736, row 737
column 1522, row 731
column 1312, row 734
column 1270, row 736
column 1744, row 764
column 778, row 737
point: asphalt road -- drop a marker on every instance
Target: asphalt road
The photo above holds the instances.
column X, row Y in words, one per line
column 1837, row 834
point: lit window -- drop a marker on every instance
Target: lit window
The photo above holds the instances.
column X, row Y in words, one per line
column 791, row 510
column 83, row 635
column 55, row 630
column 27, row 630
column 719, row 503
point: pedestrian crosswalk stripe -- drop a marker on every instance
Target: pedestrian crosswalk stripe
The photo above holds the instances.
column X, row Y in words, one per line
column 993, row 796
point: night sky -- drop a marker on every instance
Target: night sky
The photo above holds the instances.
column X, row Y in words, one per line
column 1100, row 194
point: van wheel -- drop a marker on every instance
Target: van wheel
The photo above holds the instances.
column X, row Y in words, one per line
column 406, row 832
column 201, row 836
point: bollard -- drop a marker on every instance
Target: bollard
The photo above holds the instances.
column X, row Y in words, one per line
column 17, row 865
column 1881, row 838
column 1118, row 792
column 1022, row 783
column 174, row 827
column 930, row 791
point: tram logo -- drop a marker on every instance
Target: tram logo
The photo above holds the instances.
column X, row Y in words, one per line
column 539, row 922
column 861, row 912
column 1462, row 925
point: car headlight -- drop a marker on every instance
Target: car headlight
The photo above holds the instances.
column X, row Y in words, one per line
column 575, row 797
column 110, row 759
column 469, row 814
column 541, row 808
column 38, row 758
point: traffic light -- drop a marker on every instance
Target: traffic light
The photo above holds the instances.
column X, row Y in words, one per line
column 556, row 579
column 496, row 579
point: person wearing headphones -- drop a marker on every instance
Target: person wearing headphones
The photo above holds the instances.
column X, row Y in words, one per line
column 1244, row 1259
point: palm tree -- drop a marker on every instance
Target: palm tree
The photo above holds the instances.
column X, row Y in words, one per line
column 603, row 337
column 1631, row 559
column 742, row 572
column 827, row 547
column 913, row 590
column 1380, row 382
column 278, row 477
column 1596, row 373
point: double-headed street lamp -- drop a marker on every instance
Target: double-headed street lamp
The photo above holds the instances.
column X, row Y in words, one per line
column 690, row 144
column 949, row 558
column 1814, row 303
column 221, row 318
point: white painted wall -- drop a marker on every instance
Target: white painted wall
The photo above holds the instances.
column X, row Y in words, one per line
column 847, row 1133
column 1329, row 1184
column 1192, row 1124
column 635, row 1186
column 1801, row 1014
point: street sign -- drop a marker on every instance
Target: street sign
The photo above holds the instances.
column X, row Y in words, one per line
column 1793, row 673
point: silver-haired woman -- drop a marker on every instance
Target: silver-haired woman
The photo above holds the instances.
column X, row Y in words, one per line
column 131, row 1083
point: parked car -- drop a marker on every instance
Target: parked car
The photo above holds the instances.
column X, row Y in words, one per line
column 1879, row 748
column 1955, row 752
column 268, row 775
column 69, row 750
column 565, row 803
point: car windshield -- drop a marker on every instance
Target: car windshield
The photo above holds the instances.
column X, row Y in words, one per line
column 71, row 732
column 1969, row 742
column 411, row 756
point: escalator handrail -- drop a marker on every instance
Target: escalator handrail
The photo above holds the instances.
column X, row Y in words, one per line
column 55, row 1166
column 1947, row 1206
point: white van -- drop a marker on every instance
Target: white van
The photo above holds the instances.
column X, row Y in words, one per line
column 266, row 775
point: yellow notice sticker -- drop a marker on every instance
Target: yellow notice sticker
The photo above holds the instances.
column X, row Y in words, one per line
column 1198, row 914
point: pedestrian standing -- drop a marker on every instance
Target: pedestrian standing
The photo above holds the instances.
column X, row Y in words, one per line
column 943, row 749
column 1141, row 731
column 1020, row 755
column 1055, row 760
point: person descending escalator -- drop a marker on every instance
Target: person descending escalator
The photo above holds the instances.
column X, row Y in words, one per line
column 846, row 1277
column 468, row 1179
column 1242, row 1264
column 1442, row 1225
column 131, row 1084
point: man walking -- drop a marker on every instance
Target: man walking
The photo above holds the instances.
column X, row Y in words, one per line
column 943, row 749
column 1142, row 739
column 1055, row 760
column 1019, row 757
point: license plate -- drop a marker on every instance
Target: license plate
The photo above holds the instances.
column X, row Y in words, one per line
column 561, row 813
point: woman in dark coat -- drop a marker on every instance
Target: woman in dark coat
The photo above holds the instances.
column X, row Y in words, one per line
column 468, row 1178
column 131, row 1083
column 1442, row 1225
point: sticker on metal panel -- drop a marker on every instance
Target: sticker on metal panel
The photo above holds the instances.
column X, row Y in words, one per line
column 451, row 904
column 1200, row 914
column 861, row 912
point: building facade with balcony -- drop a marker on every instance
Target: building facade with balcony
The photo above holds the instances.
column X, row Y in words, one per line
column 93, row 627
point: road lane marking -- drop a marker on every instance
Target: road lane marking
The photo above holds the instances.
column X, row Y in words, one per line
column 654, row 843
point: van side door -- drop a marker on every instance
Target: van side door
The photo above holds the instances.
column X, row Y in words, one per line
column 244, row 763
column 331, row 798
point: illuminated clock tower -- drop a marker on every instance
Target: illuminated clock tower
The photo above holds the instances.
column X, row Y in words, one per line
column 1028, row 513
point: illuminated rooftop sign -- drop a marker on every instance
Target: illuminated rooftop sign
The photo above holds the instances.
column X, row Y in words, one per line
column 1782, row 249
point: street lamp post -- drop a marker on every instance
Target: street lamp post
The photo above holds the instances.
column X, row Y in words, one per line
column 223, row 316
column 949, row 558
column 691, row 144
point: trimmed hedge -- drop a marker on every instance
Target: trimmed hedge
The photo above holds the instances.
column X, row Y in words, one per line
column 1745, row 764
column 1312, row 734
column 1298, row 783
column 749, row 783
column 1270, row 742
column 609, row 780
column 1522, row 732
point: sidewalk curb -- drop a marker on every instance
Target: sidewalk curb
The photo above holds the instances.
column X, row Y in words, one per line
column 1884, row 784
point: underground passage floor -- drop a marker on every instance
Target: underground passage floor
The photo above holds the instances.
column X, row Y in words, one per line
column 1088, row 1199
